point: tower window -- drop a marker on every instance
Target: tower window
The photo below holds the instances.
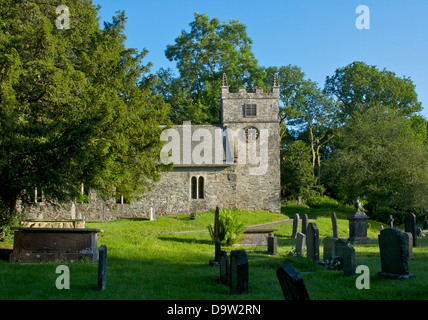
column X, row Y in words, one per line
column 194, row 188
column 250, row 110
column 201, row 187
column 197, row 188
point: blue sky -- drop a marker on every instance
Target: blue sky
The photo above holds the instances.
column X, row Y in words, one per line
column 318, row 36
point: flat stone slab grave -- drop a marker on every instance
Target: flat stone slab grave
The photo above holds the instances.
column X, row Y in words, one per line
column 256, row 237
column 54, row 244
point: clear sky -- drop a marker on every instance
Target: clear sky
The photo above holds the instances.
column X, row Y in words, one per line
column 319, row 36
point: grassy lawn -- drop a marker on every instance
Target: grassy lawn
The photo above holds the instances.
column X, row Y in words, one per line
column 151, row 260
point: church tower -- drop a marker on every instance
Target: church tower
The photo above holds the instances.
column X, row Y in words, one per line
column 252, row 122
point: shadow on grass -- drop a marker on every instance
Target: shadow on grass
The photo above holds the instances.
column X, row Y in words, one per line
column 186, row 240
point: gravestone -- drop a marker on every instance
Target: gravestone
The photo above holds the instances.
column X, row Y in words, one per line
column 410, row 226
column 292, row 284
column 152, row 214
column 329, row 251
column 224, row 268
column 238, row 272
column 381, row 227
column 334, row 224
column 217, row 224
column 217, row 249
column 73, row 211
column 305, row 223
column 391, row 221
column 194, row 214
column 346, row 253
column 408, row 238
column 102, row 267
column 393, row 254
column 296, row 220
column 300, row 244
column 312, row 242
column 272, row 245
column 358, row 226
column 425, row 224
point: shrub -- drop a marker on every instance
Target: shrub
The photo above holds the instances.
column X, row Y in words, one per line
column 231, row 229
column 321, row 202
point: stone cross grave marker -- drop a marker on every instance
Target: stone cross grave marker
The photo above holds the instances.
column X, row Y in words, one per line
column 238, row 272
column 102, row 267
column 300, row 244
column 329, row 248
column 312, row 242
column 272, row 245
column 391, row 221
column 393, row 254
column 347, row 254
column 224, row 268
column 296, row 220
column 334, row 224
column 304, row 223
column 410, row 226
column 292, row 284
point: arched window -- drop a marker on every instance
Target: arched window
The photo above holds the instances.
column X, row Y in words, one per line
column 197, row 188
column 194, row 188
column 201, row 187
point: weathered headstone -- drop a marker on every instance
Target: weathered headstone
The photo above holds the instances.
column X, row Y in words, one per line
column 329, row 251
column 300, row 244
column 334, row 224
column 393, row 254
column 410, row 226
column 152, row 214
column 408, row 238
column 425, row 224
column 238, row 272
column 217, row 224
column 217, row 249
column 73, row 211
column 305, row 221
column 391, row 221
column 102, row 267
column 347, row 254
column 292, row 284
column 194, row 215
column 312, row 242
column 358, row 226
column 272, row 245
column 224, row 268
column 296, row 220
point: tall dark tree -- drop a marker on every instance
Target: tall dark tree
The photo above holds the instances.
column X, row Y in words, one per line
column 76, row 105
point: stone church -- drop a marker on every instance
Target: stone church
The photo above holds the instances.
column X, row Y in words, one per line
column 232, row 165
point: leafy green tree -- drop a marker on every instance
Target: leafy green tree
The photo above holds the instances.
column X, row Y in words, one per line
column 380, row 159
column 206, row 52
column 297, row 177
column 76, row 106
column 359, row 87
column 305, row 110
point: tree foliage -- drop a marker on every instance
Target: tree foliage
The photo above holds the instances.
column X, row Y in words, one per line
column 76, row 106
column 379, row 158
column 203, row 54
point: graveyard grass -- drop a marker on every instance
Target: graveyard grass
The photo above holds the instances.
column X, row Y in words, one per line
column 163, row 259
